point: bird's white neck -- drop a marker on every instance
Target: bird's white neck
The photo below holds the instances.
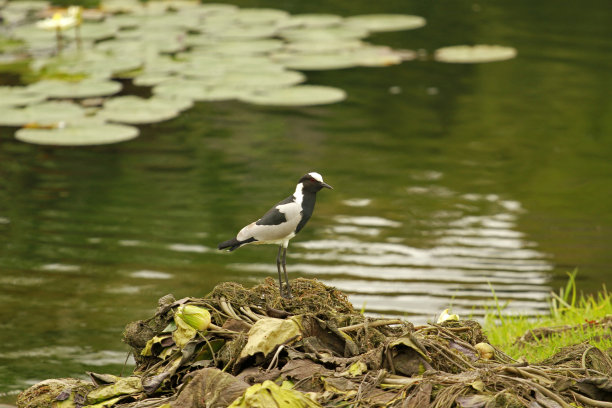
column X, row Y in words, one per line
column 298, row 195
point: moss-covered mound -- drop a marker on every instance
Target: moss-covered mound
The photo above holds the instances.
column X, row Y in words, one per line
column 243, row 347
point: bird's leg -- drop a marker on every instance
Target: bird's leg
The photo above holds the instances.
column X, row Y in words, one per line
column 286, row 276
column 278, row 267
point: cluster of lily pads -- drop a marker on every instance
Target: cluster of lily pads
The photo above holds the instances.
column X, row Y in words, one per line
column 186, row 51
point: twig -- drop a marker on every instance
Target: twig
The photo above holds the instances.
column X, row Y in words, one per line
column 542, row 389
column 221, row 330
column 583, row 359
column 589, row 401
column 227, row 308
column 125, row 362
column 370, row 324
column 249, row 313
column 274, row 361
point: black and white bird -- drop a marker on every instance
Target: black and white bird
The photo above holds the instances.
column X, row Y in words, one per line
column 281, row 223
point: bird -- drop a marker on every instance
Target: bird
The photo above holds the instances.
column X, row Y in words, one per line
column 281, row 223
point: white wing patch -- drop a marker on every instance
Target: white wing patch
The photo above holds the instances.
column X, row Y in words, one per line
column 274, row 234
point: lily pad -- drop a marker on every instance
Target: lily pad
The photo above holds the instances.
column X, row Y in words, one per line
column 316, row 62
column 324, row 34
column 90, row 64
column 316, row 47
column 301, row 95
column 386, row 22
column 243, row 47
column 369, row 56
column 134, row 110
column 312, row 20
column 217, row 8
column 246, row 32
column 196, row 90
column 81, row 134
column 27, row 5
column 152, row 78
column 120, row 6
column 466, row 54
column 377, row 56
column 19, row 96
column 86, row 88
column 97, row 31
column 45, row 113
column 259, row 80
column 256, row 16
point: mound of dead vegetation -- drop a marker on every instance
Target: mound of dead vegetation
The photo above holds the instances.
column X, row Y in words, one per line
column 243, row 347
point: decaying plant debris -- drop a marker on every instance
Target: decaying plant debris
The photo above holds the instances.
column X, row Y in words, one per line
column 261, row 350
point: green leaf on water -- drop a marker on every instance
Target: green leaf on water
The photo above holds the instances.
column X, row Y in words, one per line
column 335, row 33
column 260, row 46
column 86, row 88
column 82, row 133
column 19, row 96
column 386, row 22
column 466, row 54
column 327, row 47
column 312, row 20
column 135, row 110
column 196, row 90
column 259, row 16
column 44, row 113
column 301, row 95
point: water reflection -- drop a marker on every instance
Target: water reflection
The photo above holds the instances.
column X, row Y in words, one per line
column 466, row 257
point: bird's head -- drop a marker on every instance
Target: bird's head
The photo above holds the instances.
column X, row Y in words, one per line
column 313, row 182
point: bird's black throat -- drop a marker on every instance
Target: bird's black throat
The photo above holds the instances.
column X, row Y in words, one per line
column 308, row 204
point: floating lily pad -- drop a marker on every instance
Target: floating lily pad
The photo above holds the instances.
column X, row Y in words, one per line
column 120, row 6
column 386, row 22
column 97, row 31
column 258, row 80
column 89, row 64
column 243, row 47
column 82, row 134
column 370, row 56
column 152, row 78
column 43, row 113
column 217, row 8
column 257, row 16
column 316, row 47
column 316, row 62
column 19, row 96
column 211, row 67
column 466, row 54
column 196, row 90
column 86, row 88
column 377, row 56
column 246, row 33
column 134, row 110
column 301, row 95
column 27, row 5
column 312, row 20
column 324, row 34
column 34, row 36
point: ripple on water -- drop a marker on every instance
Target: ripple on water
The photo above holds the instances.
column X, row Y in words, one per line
column 467, row 257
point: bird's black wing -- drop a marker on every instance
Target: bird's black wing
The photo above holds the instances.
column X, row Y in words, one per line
column 274, row 216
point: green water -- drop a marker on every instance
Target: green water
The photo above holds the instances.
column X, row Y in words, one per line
column 447, row 178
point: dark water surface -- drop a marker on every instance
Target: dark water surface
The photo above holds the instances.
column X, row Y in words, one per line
column 449, row 180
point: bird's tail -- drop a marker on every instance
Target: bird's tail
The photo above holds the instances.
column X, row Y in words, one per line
column 233, row 243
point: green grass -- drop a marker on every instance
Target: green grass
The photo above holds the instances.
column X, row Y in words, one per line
column 567, row 308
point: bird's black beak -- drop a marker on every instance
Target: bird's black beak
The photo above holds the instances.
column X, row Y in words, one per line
column 327, row 185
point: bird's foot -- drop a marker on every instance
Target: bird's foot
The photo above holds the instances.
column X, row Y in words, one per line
column 285, row 292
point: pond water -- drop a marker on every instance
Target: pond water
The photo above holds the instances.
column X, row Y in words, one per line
column 450, row 181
